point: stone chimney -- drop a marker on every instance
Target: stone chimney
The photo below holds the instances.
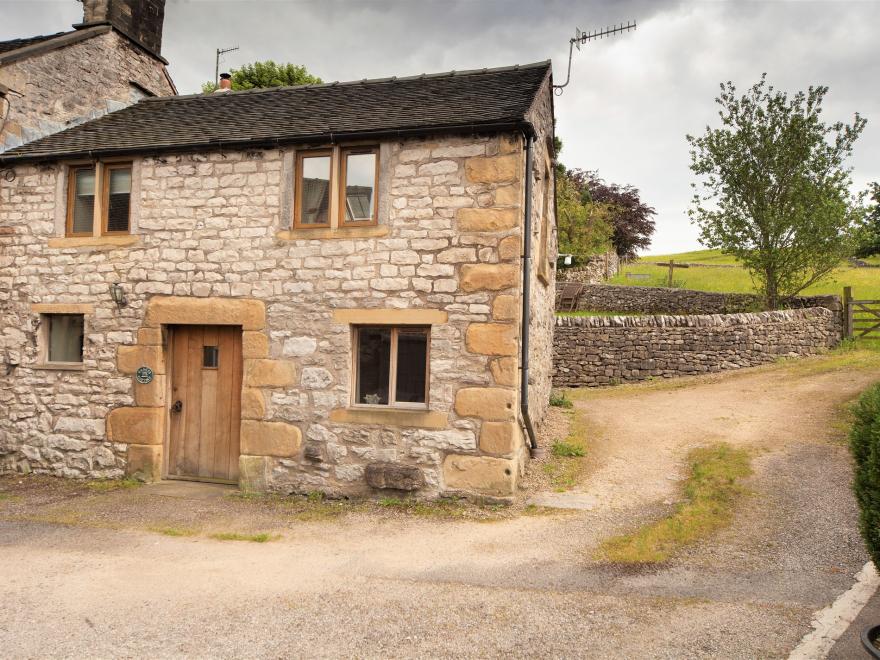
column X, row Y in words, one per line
column 139, row 20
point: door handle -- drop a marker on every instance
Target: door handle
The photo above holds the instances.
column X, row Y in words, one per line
column 177, row 406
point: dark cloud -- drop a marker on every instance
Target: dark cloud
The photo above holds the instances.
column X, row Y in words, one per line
column 631, row 101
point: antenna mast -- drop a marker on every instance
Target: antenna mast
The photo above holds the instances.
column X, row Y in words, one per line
column 220, row 51
column 581, row 38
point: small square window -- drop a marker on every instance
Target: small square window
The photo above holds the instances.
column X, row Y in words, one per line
column 210, row 357
column 64, row 337
column 358, row 199
column 392, row 366
column 313, row 189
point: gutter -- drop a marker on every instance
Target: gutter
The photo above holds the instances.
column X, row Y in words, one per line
column 526, row 302
column 518, row 125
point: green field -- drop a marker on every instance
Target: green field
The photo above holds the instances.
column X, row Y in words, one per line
column 865, row 282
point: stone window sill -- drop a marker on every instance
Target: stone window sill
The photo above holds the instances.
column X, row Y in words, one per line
column 93, row 241
column 376, row 231
column 426, row 419
column 59, row 366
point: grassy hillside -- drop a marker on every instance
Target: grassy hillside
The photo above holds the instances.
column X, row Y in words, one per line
column 864, row 281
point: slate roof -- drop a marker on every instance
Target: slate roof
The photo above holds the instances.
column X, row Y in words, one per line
column 486, row 99
column 15, row 44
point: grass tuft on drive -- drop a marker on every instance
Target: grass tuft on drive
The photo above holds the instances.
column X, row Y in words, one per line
column 263, row 537
column 711, row 491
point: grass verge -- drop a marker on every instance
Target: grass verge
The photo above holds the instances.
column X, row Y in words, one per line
column 108, row 485
column 567, row 457
column 711, row 491
column 174, row 531
column 262, row 537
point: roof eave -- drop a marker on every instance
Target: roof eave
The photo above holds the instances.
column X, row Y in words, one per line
column 53, row 44
column 513, row 125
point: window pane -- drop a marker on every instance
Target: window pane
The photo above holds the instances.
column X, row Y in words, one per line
column 315, row 202
column 65, row 337
column 210, row 357
column 412, row 361
column 374, row 365
column 84, row 200
column 120, row 200
column 360, row 182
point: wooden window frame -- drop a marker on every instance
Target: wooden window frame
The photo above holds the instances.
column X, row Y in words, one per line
column 107, row 168
column 392, row 379
column 298, row 185
column 71, row 197
column 344, row 153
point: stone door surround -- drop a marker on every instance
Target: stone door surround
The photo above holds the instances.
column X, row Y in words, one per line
column 143, row 427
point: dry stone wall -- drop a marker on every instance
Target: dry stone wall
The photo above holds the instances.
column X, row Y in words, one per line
column 664, row 300
column 216, row 226
column 597, row 269
column 595, row 351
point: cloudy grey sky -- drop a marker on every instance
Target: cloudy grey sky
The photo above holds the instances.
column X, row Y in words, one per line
column 631, row 100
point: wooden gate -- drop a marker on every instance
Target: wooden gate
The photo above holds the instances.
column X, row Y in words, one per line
column 862, row 317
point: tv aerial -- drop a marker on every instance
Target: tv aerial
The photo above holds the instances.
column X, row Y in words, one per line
column 581, row 38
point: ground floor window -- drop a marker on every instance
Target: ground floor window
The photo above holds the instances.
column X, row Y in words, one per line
column 391, row 365
column 63, row 337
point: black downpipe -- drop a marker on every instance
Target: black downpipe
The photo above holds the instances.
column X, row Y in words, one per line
column 526, row 309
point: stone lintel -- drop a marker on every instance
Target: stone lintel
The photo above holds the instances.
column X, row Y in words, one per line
column 390, row 316
column 63, row 308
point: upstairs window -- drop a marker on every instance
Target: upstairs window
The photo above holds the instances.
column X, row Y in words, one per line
column 358, row 199
column 111, row 211
column 81, row 202
column 117, row 207
column 336, row 187
column 391, row 366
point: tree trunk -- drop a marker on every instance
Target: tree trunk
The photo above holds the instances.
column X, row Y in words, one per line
column 772, row 293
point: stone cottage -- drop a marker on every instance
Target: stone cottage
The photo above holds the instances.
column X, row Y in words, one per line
column 344, row 287
column 110, row 60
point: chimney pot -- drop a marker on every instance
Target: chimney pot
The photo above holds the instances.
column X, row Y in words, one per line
column 225, row 81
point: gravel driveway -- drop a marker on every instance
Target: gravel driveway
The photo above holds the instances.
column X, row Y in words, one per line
column 83, row 575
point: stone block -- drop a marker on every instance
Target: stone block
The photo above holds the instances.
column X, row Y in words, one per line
column 505, row 308
column 394, row 476
column 491, row 219
column 131, row 358
column 489, row 403
column 508, row 196
column 170, row 310
column 492, row 277
column 150, row 336
column 509, row 144
column 144, row 462
column 269, row 373
column 493, row 169
column 254, row 345
column 253, row 473
column 480, row 474
column 136, row 426
column 253, row 403
column 270, row 438
column 509, row 248
column 150, row 395
column 499, row 437
column 491, row 338
column 505, row 371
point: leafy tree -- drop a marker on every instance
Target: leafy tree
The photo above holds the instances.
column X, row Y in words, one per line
column 631, row 219
column 774, row 189
column 266, row 74
column 584, row 225
column 868, row 236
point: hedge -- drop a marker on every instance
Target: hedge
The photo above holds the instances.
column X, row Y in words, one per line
column 865, row 446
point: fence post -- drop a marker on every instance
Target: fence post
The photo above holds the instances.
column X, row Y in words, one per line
column 671, row 268
column 847, row 312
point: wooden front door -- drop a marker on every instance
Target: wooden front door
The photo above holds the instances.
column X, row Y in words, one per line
column 206, row 366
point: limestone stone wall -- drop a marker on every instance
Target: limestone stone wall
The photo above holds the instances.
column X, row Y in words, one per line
column 69, row 85
column 215, row 227
column 664, row 300
column 594, row 351
column 597, row 269
column 543, row 274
